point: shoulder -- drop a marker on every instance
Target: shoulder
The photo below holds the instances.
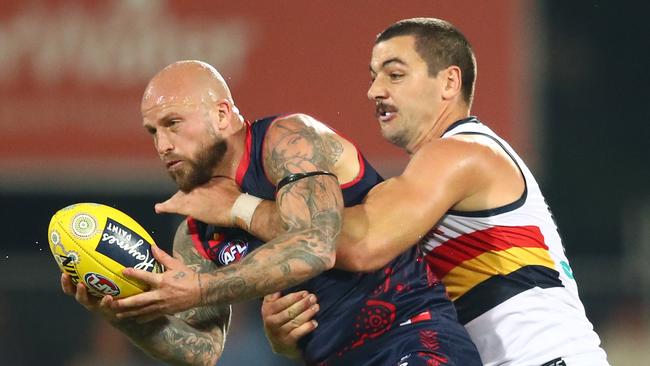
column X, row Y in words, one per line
column 299, row 143
column 297, row 122
column 448, row 152
column 451, row 162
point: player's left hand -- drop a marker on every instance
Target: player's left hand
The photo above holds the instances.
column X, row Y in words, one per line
column 175, row 290
column 287, row 319
column 210, row 203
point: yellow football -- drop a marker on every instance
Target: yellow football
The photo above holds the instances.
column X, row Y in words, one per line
column 94, row 243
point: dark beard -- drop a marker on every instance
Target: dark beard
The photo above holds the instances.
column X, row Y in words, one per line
column 199, row 171
column 399, row 140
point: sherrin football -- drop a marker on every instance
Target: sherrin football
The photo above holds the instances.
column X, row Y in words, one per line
column 93, row 243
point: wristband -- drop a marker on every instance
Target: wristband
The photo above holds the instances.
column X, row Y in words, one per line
column 297, row 176
column 244, row 208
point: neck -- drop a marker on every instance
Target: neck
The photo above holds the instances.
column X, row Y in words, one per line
column 440, row 124
column 236, row 148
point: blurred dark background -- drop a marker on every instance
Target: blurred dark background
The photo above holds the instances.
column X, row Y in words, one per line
column 574, row 87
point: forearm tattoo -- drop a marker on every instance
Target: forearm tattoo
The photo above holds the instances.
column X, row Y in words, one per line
column 310, row 208
column 193, row 337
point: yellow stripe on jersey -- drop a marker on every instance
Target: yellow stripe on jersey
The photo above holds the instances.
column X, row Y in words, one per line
column 476, row 270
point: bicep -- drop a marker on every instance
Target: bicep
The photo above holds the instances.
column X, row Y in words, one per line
column 399, row 212
column 295, row 146
column 405, row 208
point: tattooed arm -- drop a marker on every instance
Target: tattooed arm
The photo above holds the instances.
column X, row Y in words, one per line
column 310, row 209
column 192, row 337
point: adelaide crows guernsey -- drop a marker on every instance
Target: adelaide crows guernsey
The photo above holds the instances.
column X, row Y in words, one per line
column 507, row 273
column 355, row 308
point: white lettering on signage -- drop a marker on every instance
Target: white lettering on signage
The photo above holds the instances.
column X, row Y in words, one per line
column 122, row 43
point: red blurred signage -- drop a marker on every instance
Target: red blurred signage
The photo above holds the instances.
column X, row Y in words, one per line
column 72, row 72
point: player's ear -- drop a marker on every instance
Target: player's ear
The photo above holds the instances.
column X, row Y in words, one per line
column 224, row 109
column 452, row 82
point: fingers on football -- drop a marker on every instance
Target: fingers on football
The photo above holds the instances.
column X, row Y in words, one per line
column 163, row 258
column 82, row 296
column 152, row 279
column 67, row 286
column 106, row 302
column 136, row 305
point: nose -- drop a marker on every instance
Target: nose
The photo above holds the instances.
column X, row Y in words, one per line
column 163, row 143
column 377, row 91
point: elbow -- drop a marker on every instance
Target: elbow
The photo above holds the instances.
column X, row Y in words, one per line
column 330, row 260
column 366, row 264
column 327, row 248
column 328, row 256
column 360, row 262
column 362, row 257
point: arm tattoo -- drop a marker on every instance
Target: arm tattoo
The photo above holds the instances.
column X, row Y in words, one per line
column 310, row 208
column 193, row 337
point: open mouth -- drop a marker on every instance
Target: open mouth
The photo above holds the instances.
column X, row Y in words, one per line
column 385, row 113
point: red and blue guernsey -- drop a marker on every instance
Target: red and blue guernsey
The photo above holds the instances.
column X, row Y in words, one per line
column 400, row 314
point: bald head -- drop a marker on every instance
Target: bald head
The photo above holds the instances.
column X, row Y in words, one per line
column 185, row 82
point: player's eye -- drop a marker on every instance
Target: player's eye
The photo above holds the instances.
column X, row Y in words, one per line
column 396, row 75
column 172, row 123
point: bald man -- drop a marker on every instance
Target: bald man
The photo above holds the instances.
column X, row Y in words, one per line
column 308, row 172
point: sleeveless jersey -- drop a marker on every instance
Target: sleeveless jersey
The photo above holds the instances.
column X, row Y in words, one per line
column 355, row 308
column 507, row 273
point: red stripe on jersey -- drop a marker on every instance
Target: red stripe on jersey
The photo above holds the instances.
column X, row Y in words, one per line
column 194, row 234
column 362, row 170
column 263, row 153
column 457, row 250
column 246, row 157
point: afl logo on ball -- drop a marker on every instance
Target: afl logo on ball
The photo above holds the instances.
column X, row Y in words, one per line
column 101, row 284
column 233, row 251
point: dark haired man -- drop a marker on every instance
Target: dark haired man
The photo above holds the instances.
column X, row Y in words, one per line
column 470, row 203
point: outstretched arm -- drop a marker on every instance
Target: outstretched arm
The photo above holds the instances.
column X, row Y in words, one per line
column 310, row 209
column 192, row 337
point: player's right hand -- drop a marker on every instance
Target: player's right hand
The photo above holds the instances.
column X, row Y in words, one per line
column 287, row 319
column 210, row 203
column 80, row 293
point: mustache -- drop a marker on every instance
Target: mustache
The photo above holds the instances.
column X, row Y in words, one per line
column 381, row 108
column 169, row 158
